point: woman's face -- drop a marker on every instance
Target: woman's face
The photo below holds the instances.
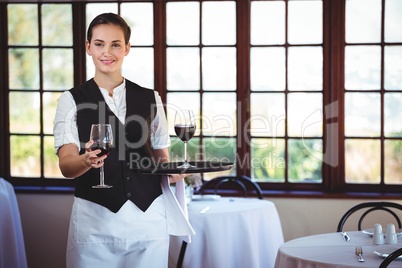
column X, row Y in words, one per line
column 107, row 48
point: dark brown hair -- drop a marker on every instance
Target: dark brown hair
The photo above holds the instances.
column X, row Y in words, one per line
column 110, row 18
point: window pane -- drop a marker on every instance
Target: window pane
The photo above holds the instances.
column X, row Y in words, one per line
column 305, row 22
column 182, row 101
column 268, row 160
column 219, row 117
column 24, row 112
column 57, row 19
column 183, row 68
column 219, row 149
column 138, row 66
column 58, row 69
column 219, row 23
column 305, row 114
column 50, row 100
column 267, row 114
column 219, row 68
column 362, row 161
column 51, row 164
column 267, row 68
column 363, row 67
column 305, row 160
column 363, row 21
column 25, row 156
column 23, row 24
column 393, row 114
column 393, row 21
column 176, row 14
column 23, row 68
column 267, row 22
column 393, row 161
column 362, row 114
column 305, row 68
column 139, row 16
column 393, row 67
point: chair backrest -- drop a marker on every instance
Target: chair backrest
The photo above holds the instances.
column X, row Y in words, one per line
column 390, row 258
column 244, row 182
column 371, row 206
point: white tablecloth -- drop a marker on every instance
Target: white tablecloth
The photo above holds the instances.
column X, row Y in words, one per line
column 12, row 249
column 233, row 232
column 331, row 251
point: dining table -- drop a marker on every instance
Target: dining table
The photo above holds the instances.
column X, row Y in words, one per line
column 12, row 247
column 232, row 232
column 331, row 250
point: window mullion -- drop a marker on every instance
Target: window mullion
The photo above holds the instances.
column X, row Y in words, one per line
column 382, row 140
column 160, row 80
column 335, row 168
column 243, row 9
column 79, row 38
column 328, row 116
column 4, row 114
column 42, row 157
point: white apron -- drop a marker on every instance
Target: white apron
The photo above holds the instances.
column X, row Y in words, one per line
column 129, row 238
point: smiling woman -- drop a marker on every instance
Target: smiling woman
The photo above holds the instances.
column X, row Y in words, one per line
column 107, row 45
column 106, row 53
column 124, row 196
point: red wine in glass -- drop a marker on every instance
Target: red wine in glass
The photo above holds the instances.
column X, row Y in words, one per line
column 184, row 126
column 184, row 132
column 104, row 147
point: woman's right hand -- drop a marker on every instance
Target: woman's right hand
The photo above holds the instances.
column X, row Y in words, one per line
column 91, row 158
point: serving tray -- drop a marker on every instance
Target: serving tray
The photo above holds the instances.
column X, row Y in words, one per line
column 172, row 167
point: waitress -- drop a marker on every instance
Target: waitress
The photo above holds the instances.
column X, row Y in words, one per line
column 129, row 224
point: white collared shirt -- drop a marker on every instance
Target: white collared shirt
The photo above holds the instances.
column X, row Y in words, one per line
column 65, row 128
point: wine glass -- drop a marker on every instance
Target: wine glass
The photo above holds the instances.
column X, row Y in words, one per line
column 184, row 126
column 102, row 136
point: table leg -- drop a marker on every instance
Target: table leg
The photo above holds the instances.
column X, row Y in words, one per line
column 181, row 256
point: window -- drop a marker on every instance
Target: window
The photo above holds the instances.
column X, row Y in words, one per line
column 300, row 94
column 373, row 92
column 201, row 76
column 40, row 67
column 286, row 99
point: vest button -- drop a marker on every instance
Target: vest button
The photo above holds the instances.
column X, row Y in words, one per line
column 128, row 195
column 128, row 179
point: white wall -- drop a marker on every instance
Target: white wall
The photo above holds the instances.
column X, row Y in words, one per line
column 45, row 219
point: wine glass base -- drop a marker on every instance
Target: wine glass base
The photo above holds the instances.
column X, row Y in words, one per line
column 186, row 165
column 102, row 186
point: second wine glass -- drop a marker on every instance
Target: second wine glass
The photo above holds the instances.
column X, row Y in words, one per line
column 184, row 126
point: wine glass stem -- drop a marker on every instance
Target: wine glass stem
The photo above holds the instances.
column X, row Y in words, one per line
column 102, row 176
column 185, row 152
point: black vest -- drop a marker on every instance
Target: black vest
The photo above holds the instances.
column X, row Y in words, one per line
column 131, row 147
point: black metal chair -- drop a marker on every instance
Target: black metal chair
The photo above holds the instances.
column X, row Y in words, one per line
column 244, row 182
column 390, row 258
column 371, row 206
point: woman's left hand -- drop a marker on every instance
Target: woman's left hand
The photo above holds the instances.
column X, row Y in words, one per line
column 176, row 177
column 161, row 156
